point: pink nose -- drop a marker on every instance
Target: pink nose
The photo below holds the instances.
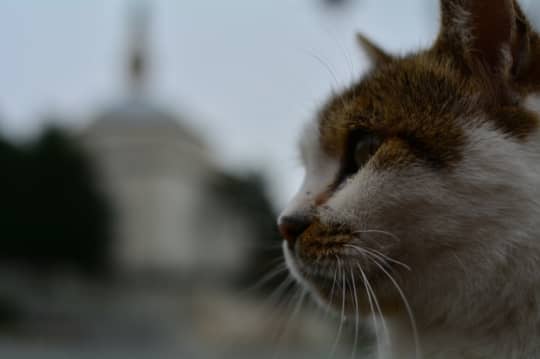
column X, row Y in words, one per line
column 291, row 227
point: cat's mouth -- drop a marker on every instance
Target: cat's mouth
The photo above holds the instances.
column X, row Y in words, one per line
column 338, row 270
column 334, row 276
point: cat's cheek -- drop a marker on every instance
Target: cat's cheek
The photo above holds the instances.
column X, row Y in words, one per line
column 359, row 197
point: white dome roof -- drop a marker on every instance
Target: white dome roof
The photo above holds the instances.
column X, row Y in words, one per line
column 138, row 113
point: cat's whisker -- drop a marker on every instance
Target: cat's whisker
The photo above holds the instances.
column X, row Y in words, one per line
column 356, row 314
column 379, row 231
column 363, row 250
column 279, row 268
column 407, row 307
column 279, row 258
column 390, row 259
column 326, row 66
column 342, row 314
column 282, row 305
column 346, row 53
column 393, row 236
column 370, row 294
column 332, row 289
column 386, row 335
column 300, row 294
column 384, row 258
column 375, row 300
column 277, row 296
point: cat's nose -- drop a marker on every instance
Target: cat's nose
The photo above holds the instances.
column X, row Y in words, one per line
column 291, row 227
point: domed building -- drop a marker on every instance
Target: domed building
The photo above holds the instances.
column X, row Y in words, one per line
column 157, row 174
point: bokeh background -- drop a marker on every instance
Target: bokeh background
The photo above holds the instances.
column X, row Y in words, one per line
column 146, row 147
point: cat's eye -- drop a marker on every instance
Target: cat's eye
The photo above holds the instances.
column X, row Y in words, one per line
column 362, row 145
column 365, row 147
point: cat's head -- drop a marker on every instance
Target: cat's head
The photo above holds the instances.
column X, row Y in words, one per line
column 423, row 169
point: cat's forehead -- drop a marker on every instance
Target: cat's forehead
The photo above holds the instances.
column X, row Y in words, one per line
column 413, row 99
column 423, row 101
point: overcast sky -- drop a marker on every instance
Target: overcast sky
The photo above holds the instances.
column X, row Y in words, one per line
column 245, row 73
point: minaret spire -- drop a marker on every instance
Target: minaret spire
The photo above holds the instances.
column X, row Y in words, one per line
column 139, row 22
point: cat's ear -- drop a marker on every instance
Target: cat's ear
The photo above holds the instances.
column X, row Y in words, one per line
column 487, row 36
column 375, row 54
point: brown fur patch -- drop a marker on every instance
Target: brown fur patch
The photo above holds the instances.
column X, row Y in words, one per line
column 320, row 240
column 320, row 243
column 413, row 104
column 420, row 104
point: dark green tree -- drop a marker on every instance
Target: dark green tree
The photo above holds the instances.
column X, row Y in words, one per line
column 51, row 212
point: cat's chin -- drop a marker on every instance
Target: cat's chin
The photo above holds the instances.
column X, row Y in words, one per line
column 340, row 279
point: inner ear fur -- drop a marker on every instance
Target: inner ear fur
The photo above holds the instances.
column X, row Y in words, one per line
column 488, row 38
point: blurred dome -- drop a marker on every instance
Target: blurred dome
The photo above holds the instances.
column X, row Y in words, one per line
column 158, row 174
column 140, row 113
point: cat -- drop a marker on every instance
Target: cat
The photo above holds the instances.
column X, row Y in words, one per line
column 419, row 213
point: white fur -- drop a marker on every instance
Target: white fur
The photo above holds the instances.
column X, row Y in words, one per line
column 320, row 172
column 477, row 326
column 481, row 298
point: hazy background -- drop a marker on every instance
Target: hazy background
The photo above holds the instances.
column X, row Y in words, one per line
column 250, row 72
column 146, row 148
